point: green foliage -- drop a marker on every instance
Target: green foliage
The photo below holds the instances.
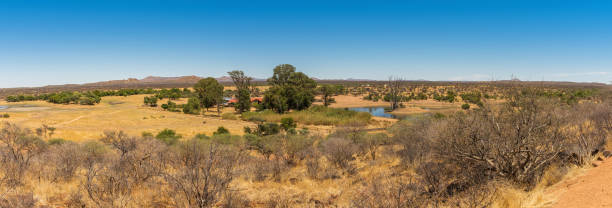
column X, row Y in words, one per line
column 327, row 91
column 472, row 97
column 289, row 90
column 227, row 139
column 266, row 129
column 315, row 115
column 221, row 130
column 201, row 136
column 83, row 98
column 438, row 115
column 168, row 136
column 150, row 101
column 288, row 123
column 6, row 115
column 172, row 94
column 192, row 106
column 465, row 106
column 449, row 97
column 243, row 86
column 209, row 92
column 170, row 106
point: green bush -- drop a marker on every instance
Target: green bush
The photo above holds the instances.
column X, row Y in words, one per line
column 168, row 136
column 221, row 130
column 267, row 129
column 6, row 115
column 201, row 136
column 315, row 115
column 465, row 106
column 288, row 123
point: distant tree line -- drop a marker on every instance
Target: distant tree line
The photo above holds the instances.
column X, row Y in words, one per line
column 83, row 98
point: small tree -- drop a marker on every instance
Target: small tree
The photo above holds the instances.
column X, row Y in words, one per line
column 192, row 106
column 150, row 101
column 243, row 85
column 394, row 86
column 326, row 92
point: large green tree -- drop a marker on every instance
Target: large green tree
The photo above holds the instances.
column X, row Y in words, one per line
column 209, row 93
column 243, row 86
column 289, row 90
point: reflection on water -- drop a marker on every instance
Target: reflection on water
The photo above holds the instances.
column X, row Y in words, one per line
column 375, row 111
column 380, row 112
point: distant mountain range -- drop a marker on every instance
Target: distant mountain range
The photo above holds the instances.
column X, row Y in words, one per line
column 188, row 81
column 174, row 81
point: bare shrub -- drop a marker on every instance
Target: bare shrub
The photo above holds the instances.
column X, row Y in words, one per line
column 17, row 148
column 370, row 143
column 415, row 139
column 340, row 152
column 588, row 128
column 516, row 142
column 112, row 176
column 62, row 161
column 19, row 200
column 478, row 196
column 386, row 191
column 200, row 172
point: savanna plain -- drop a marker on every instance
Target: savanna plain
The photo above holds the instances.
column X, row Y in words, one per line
column 293, row 141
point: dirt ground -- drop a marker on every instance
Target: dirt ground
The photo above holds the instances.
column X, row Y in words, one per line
column 591, row 189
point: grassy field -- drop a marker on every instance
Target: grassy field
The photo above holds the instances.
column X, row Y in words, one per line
column 77, row 122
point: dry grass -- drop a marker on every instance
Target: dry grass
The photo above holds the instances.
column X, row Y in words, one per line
column 77, row 122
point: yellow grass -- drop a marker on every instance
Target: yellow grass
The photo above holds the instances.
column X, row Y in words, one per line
column 77, row 122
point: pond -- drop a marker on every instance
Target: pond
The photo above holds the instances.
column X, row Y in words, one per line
column 380, row 112
column 376, row 111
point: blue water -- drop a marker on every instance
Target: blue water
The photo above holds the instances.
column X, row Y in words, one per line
column 2, row 107
column 375, row 111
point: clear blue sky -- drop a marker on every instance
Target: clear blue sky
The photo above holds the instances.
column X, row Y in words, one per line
column 57, row 42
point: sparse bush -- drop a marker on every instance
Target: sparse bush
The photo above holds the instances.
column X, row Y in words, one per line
column 465, row 106
column 146, row 134
column 200, row 173
column 56, row 141
column 19, row 200
column 62, row 161
column 266, row 129
column 221, row 130
column 201, row 136
column 168, row 136
column 340, row 152
column 17, row 148
column 315, row 115
column 288, row 123
column 386, row 191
